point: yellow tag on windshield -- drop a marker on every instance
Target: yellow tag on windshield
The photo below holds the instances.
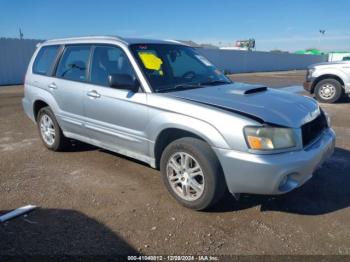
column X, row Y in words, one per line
column 151, row 61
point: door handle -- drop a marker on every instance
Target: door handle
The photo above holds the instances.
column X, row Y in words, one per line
column 52, row 86
column 93, row 94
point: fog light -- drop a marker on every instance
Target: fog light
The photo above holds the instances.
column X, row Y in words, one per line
column 284, row 181
column 288, row 183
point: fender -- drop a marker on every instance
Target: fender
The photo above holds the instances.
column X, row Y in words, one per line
column 45, row 96
column 198, row 127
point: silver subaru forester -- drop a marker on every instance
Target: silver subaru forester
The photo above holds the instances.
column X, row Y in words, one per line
column 163, row 103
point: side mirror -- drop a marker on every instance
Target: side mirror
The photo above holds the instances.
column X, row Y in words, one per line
column 123, row 81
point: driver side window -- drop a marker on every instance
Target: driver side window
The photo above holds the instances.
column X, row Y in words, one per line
column 108, row 60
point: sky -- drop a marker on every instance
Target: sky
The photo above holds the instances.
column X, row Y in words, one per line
column 275, row 24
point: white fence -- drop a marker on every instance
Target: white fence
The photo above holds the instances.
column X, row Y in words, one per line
column 15, row 55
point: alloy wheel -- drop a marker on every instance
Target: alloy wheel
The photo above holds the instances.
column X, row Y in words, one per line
column 185, row 176
column 47, row 129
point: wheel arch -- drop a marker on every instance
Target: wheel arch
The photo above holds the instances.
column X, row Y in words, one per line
column 324, row 77
column 167, row 127
column 168, row 135
column 37, row 105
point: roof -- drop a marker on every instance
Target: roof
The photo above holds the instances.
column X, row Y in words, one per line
column 99, row 39
column 189, row 43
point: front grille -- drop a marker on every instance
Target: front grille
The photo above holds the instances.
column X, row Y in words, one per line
column 313, row 129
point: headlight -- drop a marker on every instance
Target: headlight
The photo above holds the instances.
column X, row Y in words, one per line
column 310, row 72
column 269, row 138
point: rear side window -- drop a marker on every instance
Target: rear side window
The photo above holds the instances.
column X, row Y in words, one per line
column 73, row 64
column 45, row 59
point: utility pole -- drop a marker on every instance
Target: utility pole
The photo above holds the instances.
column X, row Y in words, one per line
column 20, row 34
column 322, row 32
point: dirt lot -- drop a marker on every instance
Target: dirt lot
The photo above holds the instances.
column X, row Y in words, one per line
column 96, row 202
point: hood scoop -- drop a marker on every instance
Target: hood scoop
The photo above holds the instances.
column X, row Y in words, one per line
column 247, row 90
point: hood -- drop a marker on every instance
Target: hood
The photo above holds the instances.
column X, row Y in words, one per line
column 258, row 102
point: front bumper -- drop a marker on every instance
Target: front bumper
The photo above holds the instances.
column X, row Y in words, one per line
column 274, row 173
column 308, row 86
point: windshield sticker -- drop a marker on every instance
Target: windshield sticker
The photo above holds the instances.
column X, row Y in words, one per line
column 204, row 60
column 151, row 61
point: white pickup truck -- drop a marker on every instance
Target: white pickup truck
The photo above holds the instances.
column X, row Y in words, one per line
column 328, row 81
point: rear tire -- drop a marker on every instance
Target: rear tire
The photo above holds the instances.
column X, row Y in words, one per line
column 192, row 173
column 328, row 91
column 50, row 132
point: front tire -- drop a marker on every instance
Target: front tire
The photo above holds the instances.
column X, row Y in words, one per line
column 328, row 91
column 50, row 132
column 192, row 173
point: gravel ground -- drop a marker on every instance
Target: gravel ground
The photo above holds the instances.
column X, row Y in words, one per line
column 96, row 202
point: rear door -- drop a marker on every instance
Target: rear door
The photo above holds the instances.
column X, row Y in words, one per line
column 69, row 87
column 115, row 118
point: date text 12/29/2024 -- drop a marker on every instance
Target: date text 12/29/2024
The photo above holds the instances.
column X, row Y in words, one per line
column 173, row 258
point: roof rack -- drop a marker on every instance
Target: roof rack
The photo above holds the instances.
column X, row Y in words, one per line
column 86, row 37
column 177, row 42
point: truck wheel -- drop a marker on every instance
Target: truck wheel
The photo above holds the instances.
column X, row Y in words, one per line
column 192, row 173
column 49, row 130
column 328, row 91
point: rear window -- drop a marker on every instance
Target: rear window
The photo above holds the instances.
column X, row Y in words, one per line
column 45, row 59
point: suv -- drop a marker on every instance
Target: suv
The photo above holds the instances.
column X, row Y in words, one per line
column 328, row 81
column 166, row 105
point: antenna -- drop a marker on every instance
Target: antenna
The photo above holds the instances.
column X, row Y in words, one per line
column 20, row 34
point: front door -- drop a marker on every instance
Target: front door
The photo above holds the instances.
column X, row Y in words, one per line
column 115, row 118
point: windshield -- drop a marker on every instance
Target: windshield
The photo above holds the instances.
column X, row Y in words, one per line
column 174, row 67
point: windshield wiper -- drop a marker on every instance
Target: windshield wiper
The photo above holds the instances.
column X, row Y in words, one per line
column 186, row 86
column 180, row 87
column 193, row 85
column 215, row 82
